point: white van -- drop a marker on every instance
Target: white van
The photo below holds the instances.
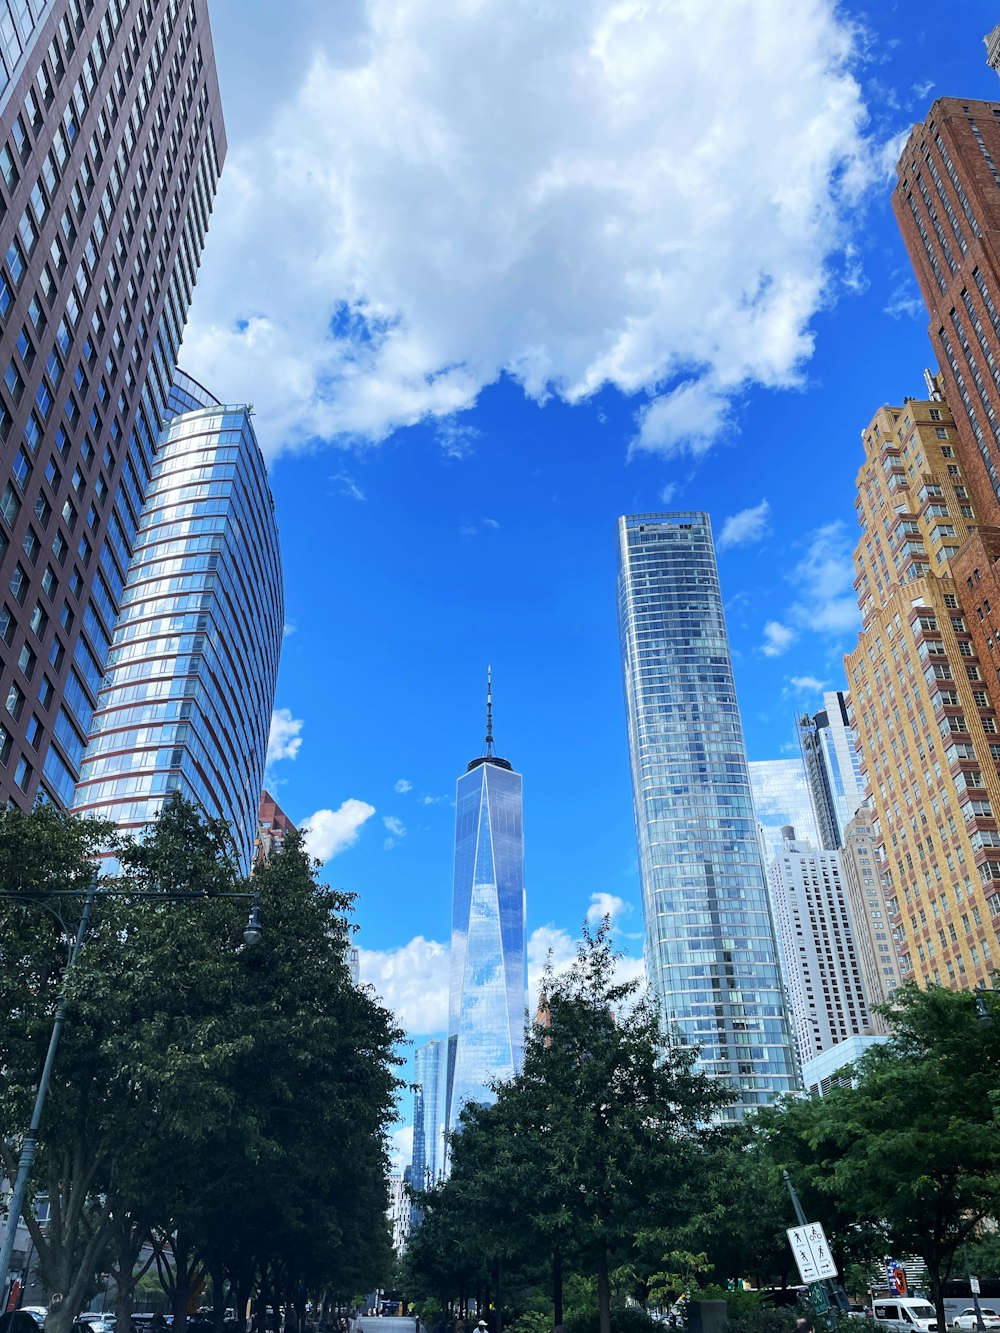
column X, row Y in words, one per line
column 905, row 1314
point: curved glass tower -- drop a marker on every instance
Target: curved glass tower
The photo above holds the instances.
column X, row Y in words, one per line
column 488, row 955
column 711, row 950
column 186, row 701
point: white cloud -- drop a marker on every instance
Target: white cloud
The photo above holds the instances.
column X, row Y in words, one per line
column 668, row 492
column 283, row 738
column 434, row 800
column 401, row 1143
column 825, row 581
column 348, row 486
column 396, row 830
column 403, row 786
column 466, row 192
column 328, row 832
column 808, row 683
column 552, row 943
column 749, row 525
column 607, row 904
column 413, row 982
column 778, row 638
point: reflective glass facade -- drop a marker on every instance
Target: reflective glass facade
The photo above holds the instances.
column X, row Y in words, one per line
column 833, row 768
column 427, row 1168
column 710, row 945
column 488, row 956
column 186, row 702
column 780, row 796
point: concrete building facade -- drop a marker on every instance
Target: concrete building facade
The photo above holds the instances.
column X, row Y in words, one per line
column 821, row 965
column 871, row 928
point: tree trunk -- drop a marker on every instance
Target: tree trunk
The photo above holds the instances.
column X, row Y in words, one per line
column 603, row 1289
column 557, row 1288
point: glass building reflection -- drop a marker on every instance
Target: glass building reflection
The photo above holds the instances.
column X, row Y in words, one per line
column 488, row 978
column 710, row 945
column 185, row 705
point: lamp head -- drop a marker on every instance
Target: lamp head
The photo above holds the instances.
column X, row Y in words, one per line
column 253, row 929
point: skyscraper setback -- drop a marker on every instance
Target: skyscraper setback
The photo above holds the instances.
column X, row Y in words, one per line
column 486, row 1010
column 111, row 143
column 710, row 945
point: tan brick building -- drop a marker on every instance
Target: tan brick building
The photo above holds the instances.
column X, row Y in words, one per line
column 924, row 713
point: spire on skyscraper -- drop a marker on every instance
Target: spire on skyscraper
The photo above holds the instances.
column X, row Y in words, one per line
column 488, row 756
column 489, row 712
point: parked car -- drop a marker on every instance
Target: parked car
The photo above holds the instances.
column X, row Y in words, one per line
column 37, row 1312
column 967, row 1318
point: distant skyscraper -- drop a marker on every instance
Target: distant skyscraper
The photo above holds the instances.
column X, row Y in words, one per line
column 781, row 796
column 429, row 1066
column 111, row 143
column 711, row 951
column 821, row 965
column 832, row 768
column 488, row 978
column 186, row 702
column 869, row 913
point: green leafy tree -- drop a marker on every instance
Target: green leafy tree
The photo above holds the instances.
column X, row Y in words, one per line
column 593, row 1139
column 909, row 1157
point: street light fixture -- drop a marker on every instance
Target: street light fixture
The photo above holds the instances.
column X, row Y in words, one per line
column 251, row 935
column 982, row 1008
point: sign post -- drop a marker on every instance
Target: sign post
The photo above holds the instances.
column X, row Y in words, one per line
column 815, row 1262
column 974, row 1284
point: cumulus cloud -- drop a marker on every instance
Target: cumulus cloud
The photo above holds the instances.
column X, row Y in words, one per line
column 553, row 944
column 573, row 195
column 607, row 904
column 403, row 786
column 825, row 580
column 412, row 981
column 401, row 1146
column 328, row 832
column 283, row 738
column 778, row 638
column 749, row 525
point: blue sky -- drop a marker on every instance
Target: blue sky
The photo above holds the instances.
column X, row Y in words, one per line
column 493, row 274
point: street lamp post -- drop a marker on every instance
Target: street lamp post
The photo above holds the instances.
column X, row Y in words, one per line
column 251, row 934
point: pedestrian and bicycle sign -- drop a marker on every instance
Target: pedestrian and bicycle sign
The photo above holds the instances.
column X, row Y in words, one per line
column 812, row 1253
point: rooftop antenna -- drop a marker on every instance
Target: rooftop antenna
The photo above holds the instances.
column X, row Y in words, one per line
column 489, row 712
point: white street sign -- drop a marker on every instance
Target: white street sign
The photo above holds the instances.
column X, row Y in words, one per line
column 812, row 1254
column 974, row 1284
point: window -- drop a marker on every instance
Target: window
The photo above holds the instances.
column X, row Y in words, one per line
column 19, row 585
column 26, row 661
column 31, row 544
column 14, row 382
column 23, row 773
column 39, row 618
column 33, row 735
column 15, row 701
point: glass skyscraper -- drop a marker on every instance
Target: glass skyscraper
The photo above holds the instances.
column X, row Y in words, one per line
column 186, row 702
column 781, row 796
column 710, row 944
column 427, row 1167
column 111, row 144
column 832, row 767
column 488, row 955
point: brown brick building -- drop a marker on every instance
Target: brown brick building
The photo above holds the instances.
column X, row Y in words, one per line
column 111, row 143
column 947, row 203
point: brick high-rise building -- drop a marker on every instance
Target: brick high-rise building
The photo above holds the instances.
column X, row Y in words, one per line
column 111, row 143
column 272, row 826
column 923, row 708
column 947, row 203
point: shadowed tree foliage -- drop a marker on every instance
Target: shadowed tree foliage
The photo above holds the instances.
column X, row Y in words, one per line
column 231, row 1100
